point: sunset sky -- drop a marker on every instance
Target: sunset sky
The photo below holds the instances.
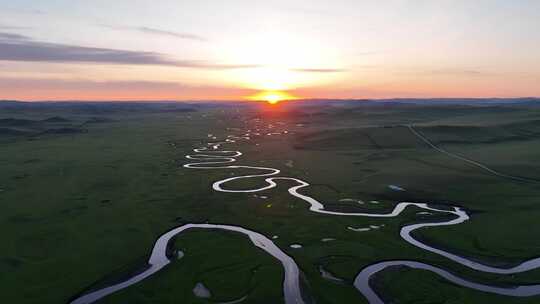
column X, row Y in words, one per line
column 236, row 49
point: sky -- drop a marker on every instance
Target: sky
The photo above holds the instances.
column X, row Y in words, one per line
column 245, row 49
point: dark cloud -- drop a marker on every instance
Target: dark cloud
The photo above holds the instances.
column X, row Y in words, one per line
column 157, row 32
column 314, row 70
column 11, row 37
column 15, row 47
column 13, row 27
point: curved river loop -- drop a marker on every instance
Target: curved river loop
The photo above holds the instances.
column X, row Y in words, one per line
column 212, row 157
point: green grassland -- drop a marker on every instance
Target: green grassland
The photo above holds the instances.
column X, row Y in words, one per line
column 86, row 190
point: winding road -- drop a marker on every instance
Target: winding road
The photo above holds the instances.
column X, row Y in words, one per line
column 212, row 157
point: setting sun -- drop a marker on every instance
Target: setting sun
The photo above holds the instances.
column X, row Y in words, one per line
column 272, row 97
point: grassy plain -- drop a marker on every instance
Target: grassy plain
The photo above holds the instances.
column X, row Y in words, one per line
column 85, row 195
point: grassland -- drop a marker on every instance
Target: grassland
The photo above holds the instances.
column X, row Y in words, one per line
column 85, row 191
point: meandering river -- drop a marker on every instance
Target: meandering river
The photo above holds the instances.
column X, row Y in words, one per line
column 212, row 157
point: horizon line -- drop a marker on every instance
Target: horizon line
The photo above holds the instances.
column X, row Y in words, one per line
column 255, row 101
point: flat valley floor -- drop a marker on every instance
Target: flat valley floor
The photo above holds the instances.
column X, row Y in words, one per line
column 87, row 189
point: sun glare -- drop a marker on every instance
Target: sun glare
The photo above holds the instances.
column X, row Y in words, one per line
column 272, row 97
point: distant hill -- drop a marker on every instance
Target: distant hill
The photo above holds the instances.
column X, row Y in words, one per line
column 15, row 122
column 428, row 101
column 56, row 119
column 467, row 101
column 98, row 108
column 190, row 106
column 12, row 102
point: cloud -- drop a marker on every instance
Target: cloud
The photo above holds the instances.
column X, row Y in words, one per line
column 7, row 83
column 442, row 71
column 157, row 32
column 170, row 34
column 11, row 37
column 15, row 47
column 457, row 71
column 13, row 27
column 315, row 70
column 463, row 72
column 84, row 89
